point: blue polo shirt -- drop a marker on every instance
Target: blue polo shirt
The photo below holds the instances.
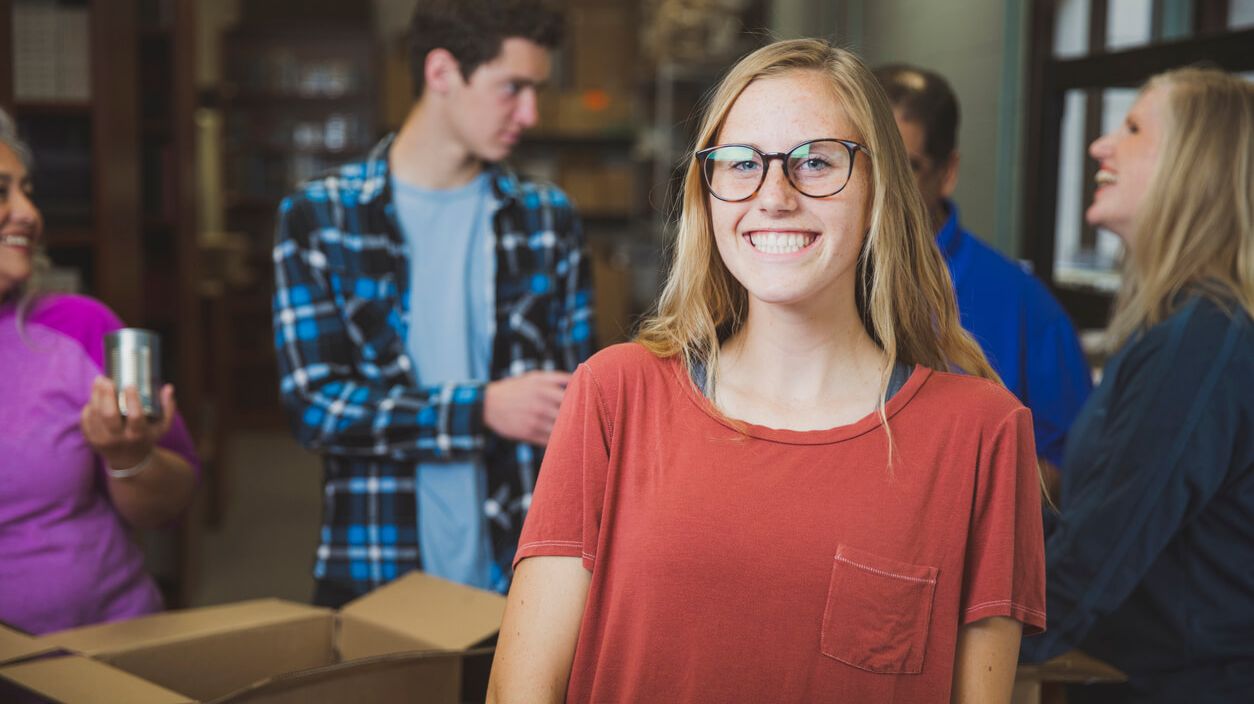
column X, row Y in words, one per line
column 1024, row 332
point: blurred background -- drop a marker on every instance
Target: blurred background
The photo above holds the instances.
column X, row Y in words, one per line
column 165, row 133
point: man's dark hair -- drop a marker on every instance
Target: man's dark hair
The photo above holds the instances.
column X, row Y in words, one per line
column 924, row 97
column 473, row 30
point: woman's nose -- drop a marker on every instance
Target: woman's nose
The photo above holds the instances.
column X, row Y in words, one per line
column 777, row 193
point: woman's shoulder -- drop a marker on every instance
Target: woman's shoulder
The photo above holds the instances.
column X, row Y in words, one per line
column 81, row 318
column 1202, row 330
column 969, row 396
column 627, row 364
column 72, row 309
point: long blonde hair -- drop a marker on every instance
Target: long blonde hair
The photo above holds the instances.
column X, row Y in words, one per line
column 1195, row 230
column 904, row 295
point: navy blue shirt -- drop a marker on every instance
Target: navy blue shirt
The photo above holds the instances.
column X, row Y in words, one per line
column 1151, row 566
column 1025, row 334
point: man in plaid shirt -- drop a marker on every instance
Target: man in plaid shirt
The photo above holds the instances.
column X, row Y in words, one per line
column 429, row 306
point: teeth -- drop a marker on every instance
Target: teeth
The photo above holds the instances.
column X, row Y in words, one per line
column 780, row 243
column 1104, row 177
column 15, row 240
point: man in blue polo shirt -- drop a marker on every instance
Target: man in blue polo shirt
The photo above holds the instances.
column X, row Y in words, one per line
column 1024, row 332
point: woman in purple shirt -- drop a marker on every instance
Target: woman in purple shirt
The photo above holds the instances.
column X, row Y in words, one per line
column 74, row 473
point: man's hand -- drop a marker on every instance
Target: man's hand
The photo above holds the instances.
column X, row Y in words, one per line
column 524, row 407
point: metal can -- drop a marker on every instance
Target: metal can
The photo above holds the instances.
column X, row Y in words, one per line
column 133, row 358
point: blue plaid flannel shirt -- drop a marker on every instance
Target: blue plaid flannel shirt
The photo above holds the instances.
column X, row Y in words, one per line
column 341, row 310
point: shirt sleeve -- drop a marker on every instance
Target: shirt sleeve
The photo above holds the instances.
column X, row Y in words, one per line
column 1005, row 569
column 565, row 515
column 1058, row 377
column 331, row 405
column 1160, row 461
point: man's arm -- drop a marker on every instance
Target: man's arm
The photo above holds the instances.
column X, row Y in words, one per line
column 331, row 407
column 1058, row 378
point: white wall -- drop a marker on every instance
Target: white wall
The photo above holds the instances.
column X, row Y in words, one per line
column 977, row 45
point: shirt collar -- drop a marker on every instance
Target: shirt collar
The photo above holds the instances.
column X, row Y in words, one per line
column 950, row 235
column 506, row 186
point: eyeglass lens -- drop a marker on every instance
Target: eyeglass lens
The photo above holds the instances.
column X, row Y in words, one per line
column 817, row 169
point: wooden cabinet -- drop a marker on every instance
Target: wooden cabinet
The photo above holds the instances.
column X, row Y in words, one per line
column 298, row 99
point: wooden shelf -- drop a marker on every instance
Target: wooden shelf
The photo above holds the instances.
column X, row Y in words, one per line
column 578, row 140
column 289, row 100
column 53, row 107
column 280, row 150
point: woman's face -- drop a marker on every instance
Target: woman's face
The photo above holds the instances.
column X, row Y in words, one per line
column 786, row 248
column 20, row 222
column 1126, row 160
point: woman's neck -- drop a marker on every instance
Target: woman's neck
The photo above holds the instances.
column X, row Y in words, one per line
column 794, row 369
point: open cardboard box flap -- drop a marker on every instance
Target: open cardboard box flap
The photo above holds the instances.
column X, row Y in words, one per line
column 16, row 646
column 174, row 626
column 430, row 612
column 75, row 678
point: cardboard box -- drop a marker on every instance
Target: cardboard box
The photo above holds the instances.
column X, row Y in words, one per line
column 405, row 641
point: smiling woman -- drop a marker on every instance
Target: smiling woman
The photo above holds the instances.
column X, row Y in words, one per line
column 74, row 472
column 785, row 489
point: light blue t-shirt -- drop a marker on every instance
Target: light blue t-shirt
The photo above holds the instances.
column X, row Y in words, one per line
column 450, row 340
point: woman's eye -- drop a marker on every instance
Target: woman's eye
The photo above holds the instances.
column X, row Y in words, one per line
column 744, row 165
column 813, row 164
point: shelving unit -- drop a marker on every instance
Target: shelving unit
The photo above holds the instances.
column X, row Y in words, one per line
column 297, row 99
column 102, row 92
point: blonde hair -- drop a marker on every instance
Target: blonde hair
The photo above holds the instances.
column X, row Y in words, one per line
column 1195, row 230
column 904, row 295
column 28, row 292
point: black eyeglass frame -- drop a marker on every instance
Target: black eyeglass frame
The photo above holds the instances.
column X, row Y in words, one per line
column 768, row 157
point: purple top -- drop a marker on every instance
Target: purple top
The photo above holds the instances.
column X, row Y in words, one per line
column 66, row 559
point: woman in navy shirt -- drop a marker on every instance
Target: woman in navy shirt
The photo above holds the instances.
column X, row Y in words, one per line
column 1151, row 567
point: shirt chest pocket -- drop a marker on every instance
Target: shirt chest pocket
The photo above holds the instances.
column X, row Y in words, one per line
column 878, row 612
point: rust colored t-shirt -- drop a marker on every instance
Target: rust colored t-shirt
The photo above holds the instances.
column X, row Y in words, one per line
column 767, row 565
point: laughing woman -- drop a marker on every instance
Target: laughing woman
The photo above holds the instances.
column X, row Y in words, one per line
column 74, row 473
column 1151, row 567
column 784, row 490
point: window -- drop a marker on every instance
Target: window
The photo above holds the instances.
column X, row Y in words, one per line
column 1087, row 59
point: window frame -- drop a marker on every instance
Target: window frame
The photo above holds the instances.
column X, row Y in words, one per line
column 1049, row 79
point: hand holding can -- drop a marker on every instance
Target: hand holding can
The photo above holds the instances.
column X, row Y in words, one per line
column 133, row 358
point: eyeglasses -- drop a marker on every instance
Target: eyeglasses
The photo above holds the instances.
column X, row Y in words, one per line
column 818, row 168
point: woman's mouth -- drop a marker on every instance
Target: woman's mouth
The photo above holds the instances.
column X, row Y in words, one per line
column 1105, row 178
column 780, row 242
column 15, row 241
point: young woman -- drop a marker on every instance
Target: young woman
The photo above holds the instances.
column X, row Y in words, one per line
column 1151, row 567
column 74, row 473
column 784, row 490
